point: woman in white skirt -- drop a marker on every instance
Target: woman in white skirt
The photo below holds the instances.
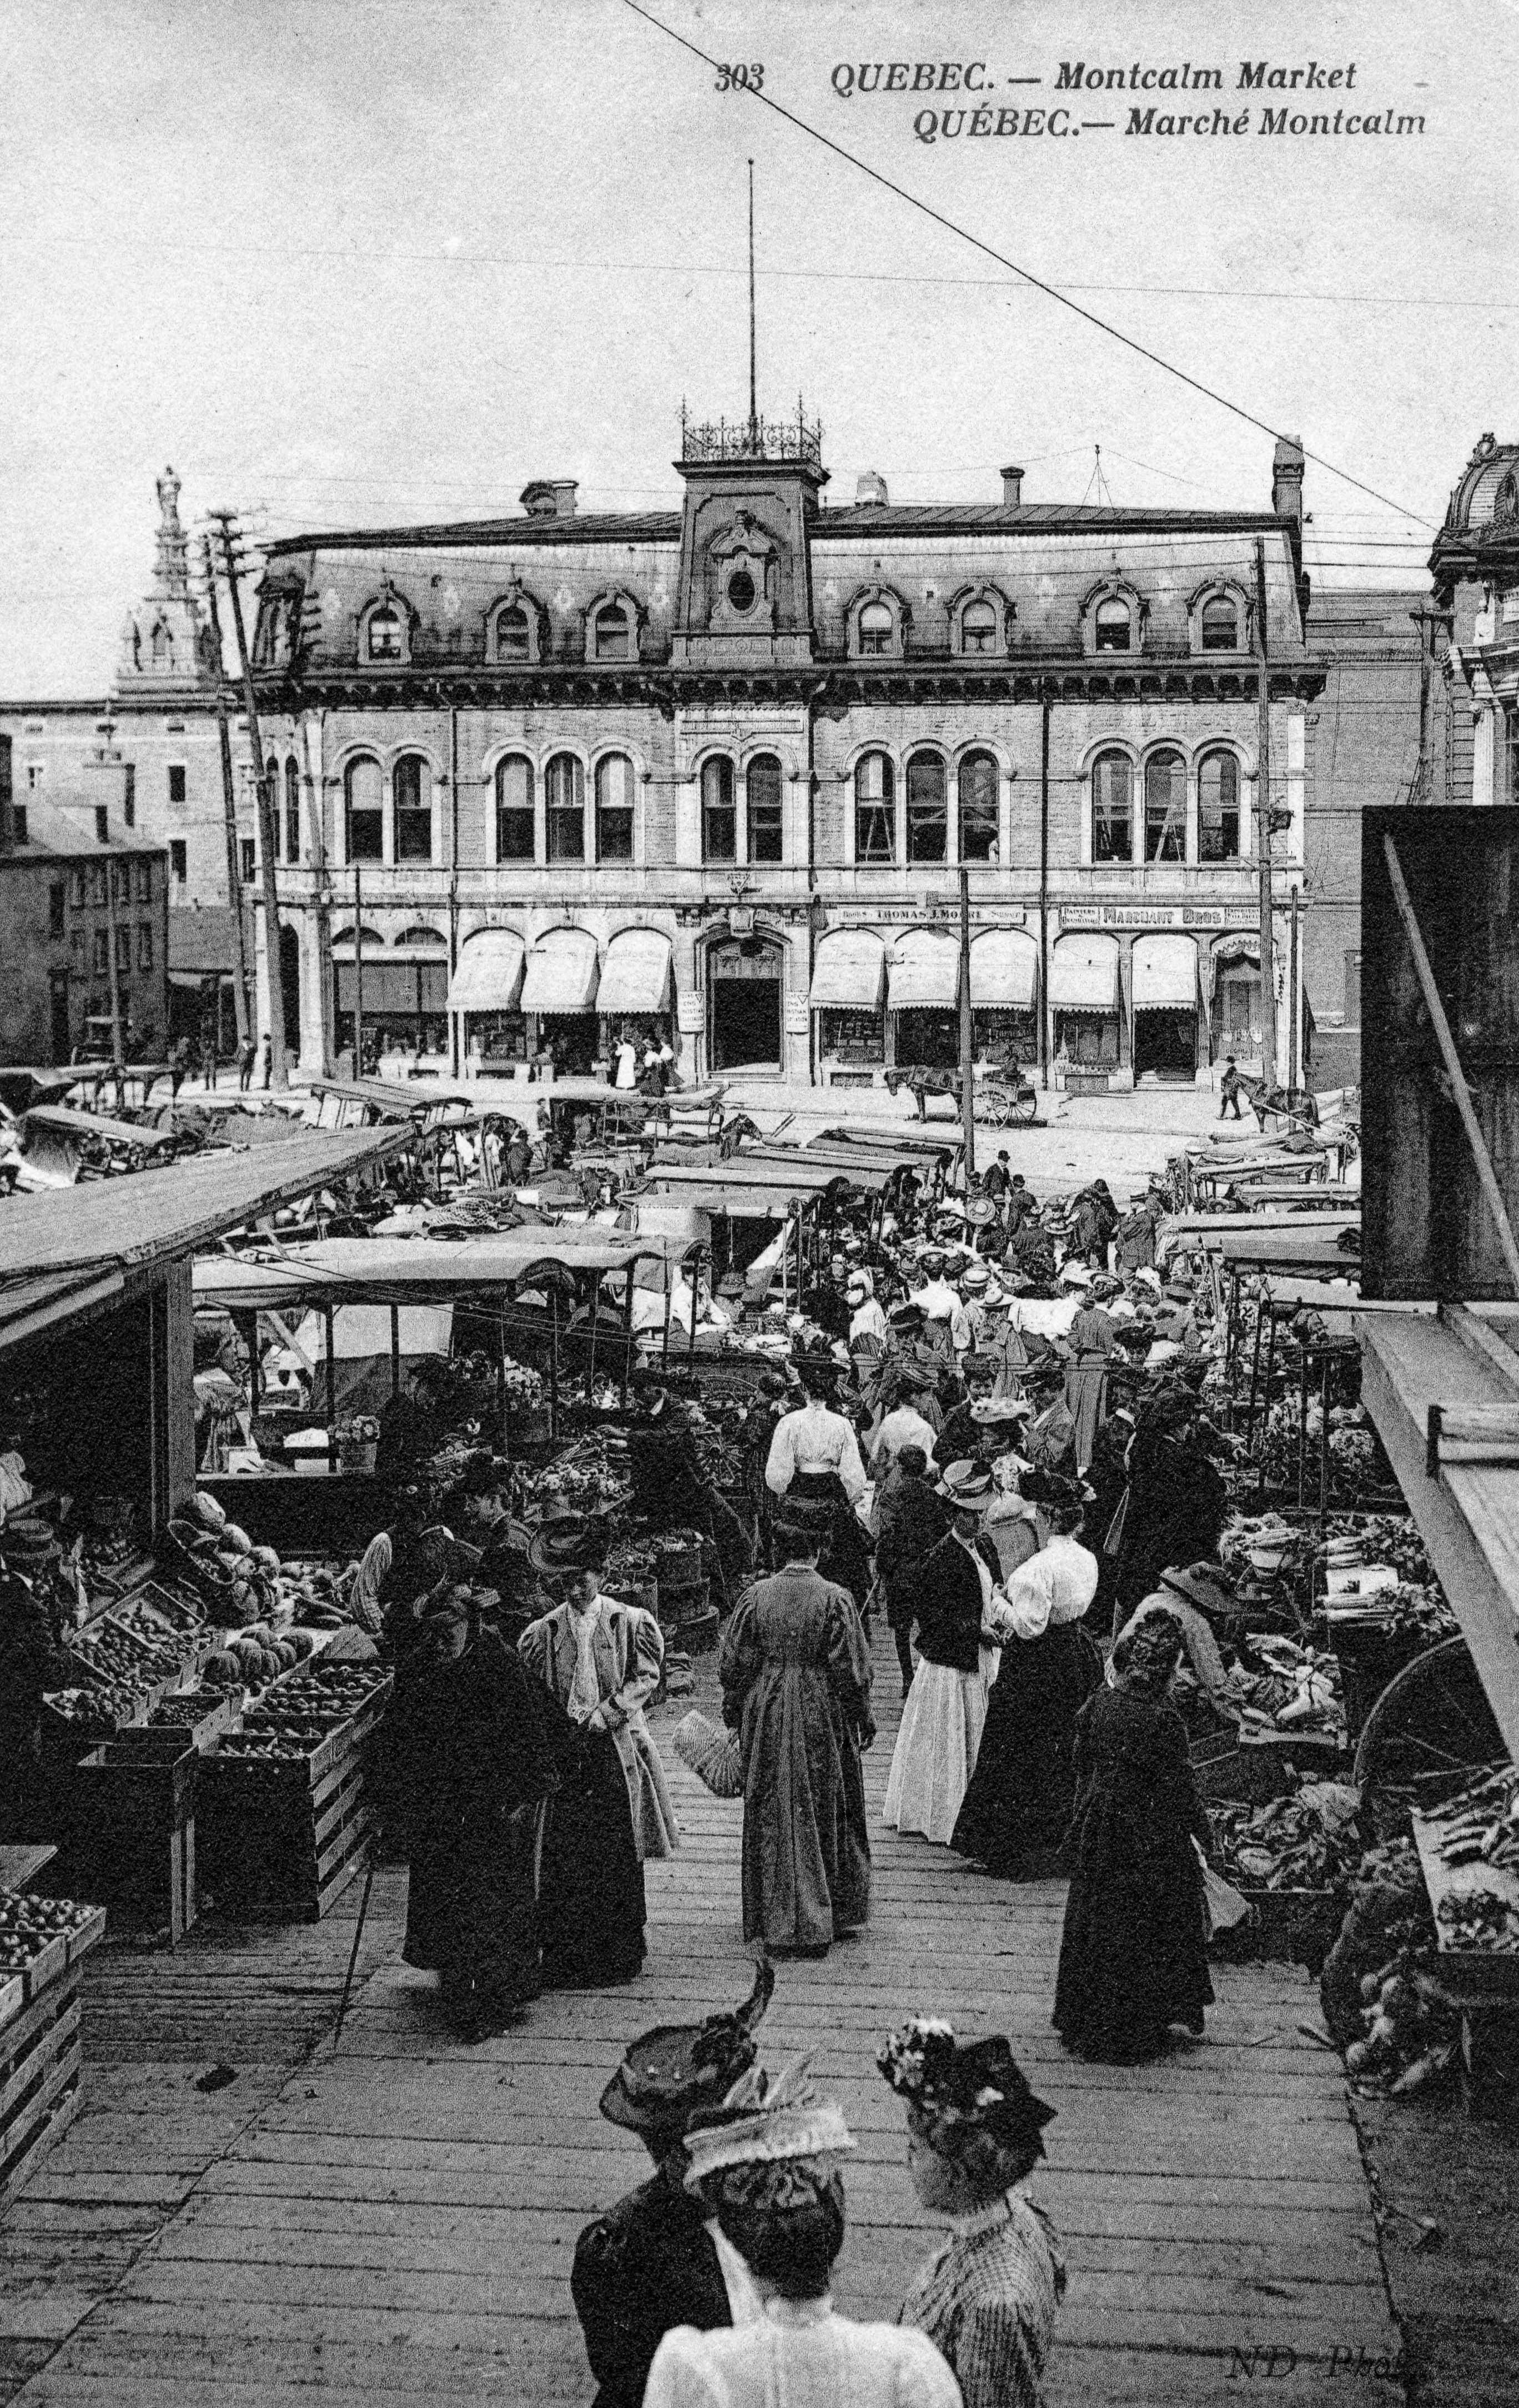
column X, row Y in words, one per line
column 946, row 1708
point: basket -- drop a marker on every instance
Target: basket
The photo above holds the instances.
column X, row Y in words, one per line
column 712, row 1752
column 357, row 1454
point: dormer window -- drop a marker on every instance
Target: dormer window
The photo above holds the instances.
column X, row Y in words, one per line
column 513, row 641
column 981, row 617
column 875, row 628
column 613, row 636
column 978, row 628
column 386, row 635
column 1219, row 624
column 1113, row 626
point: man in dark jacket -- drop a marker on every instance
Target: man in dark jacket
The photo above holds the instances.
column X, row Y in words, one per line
column 912, row 1522
column 652, row 2261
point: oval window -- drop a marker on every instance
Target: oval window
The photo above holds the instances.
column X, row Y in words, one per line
column 742, row 590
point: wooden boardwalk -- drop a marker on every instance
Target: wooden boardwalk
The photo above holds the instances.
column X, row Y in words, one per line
column 399, row 2216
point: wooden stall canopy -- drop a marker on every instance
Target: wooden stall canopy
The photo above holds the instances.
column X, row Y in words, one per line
column 22, row 1085
column 130, row 1225
column 909, row 1140
column 792, row 1171
column 1414, row 1363
column 730, row 1202
column 61, row 1120
column 1326, row 1225
column 1292, row 1248
column 1430, row 1226
column 359, row 1269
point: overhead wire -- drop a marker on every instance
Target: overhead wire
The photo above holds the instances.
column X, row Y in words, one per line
column 767, row 100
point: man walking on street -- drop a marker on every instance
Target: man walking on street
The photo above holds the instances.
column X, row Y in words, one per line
column 1229, row 1087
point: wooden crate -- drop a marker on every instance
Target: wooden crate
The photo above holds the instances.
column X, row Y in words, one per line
column 131, row 1844
column 281, row 1841
column 40, row 2067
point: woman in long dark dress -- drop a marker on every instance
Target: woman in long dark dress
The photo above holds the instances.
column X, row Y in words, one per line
column 796, row 1673
column 466, row 1767
column 1133, row 1954
column 1019, row 1801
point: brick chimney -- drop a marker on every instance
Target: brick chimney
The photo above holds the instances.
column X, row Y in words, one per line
column 1287, row 465
column 870, row 493
column 1013, row 489
column 550, row 498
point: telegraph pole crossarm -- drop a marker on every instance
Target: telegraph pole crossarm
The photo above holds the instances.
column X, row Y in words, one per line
column 1263, row 826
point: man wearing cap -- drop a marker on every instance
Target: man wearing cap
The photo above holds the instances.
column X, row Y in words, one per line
column 658, row 2258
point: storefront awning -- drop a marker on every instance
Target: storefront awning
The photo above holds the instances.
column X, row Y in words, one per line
column 1004, row 969
column 1240, row 946
column 849, row 971
column 1083, row 974
column 1164, row 974
column 925, row 972
column 562, row 971
column 490, row 974
column 635, row 975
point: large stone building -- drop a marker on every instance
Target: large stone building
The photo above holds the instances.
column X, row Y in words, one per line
column 149, row 752
column 717, row 768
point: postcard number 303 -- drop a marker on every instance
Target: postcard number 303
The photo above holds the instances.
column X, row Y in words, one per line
column 740, row 78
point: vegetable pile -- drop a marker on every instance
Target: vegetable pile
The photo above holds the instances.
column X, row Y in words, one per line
column 1308, row 1840
column 30, row 1925
column 1480, row 1826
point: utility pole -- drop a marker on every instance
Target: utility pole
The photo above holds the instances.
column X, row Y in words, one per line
column 753, row 409
column 226, row 524
column 1293, row 976
column 358, row 972
column 117, row 1050
column 1263, row 824
column 229, row 801
column 968, row 1078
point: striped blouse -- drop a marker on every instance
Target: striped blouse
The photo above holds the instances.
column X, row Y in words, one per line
column 987, row 2301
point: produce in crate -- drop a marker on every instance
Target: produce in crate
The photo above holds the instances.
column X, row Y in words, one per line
column 1480, row 1826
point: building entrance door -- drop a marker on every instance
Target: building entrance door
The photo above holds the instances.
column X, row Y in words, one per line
column 743, row 989
column 1165, row 1042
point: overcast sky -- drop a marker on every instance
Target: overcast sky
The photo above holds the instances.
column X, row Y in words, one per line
column 367, row 262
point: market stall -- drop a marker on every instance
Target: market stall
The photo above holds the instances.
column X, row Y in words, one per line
column 847, row 1001
column 1085, row 1006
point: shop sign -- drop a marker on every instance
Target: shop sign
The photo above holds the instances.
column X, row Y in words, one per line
column 1159, row 915
column 690, row 1018
column 932, row 906
column 798, row 1020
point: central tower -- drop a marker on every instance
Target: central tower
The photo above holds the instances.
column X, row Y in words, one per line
column 751, row 487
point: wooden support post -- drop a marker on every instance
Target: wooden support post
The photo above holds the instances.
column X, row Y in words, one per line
column 627, row 1348
column 695, row 1281
column 554, row 1361
column 1324, row 1443
column 1265, row 1416
column 595, row 1304
column 396, row 1350
column 327, row 1316
column 1255, row 1375
column 1303, row 1423
column 665, row 1350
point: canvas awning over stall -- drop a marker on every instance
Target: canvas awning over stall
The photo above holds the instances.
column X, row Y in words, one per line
column 636, row 974
column 1164, row 974
column 490, row 974
column 562, row 972
column 849, row 971
column 1004, row 970
column 925, row 972
column 1083, row 974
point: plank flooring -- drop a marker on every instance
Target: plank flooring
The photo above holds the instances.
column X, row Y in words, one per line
column 398, row 2214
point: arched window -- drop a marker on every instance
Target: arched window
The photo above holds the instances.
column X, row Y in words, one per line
column 1218, row 808
column 513, row 635
column 292, row 809
column 386, row 642
column 612, row 636
column 564, row 797
column 163, row 647
column 719, row 819
column 875, row 809
column 1165, row 808
column 978, row 627
column 763, row 797
column 614, row 808
column 1112, row 807
column 365, row 797
column 1113, row 630
column 514, row 833
column 876, row 627
column 927, row 811
column 1221, row 623
column 411, row 786
column 977, row 808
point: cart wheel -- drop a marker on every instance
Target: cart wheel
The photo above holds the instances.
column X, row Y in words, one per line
column 994, row 1104
column 1025, row 1105
column 1431, row 1725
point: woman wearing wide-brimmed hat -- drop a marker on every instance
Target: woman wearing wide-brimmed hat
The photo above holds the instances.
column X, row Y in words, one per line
column 988, row 2299
column 942, row 1720
column 766, row 2167
column 600, row 1658
column 1019, row 1801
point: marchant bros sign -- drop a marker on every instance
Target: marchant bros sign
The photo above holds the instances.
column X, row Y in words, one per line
column 1159, row 915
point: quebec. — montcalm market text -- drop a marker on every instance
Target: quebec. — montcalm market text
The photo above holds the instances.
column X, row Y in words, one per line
column 860, row 79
